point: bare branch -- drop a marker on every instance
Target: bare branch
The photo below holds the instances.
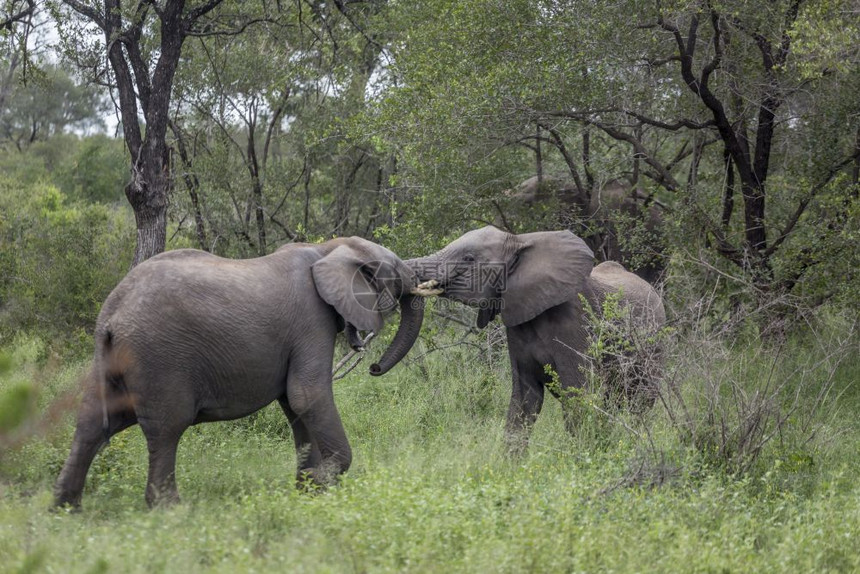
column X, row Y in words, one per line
column 804, row 203
column 571, row 165
column 673, row 126
column 199, row 11
column 348, row 357
column 86, row 11
column 206, row 30
column 665, row 178
column 24, row 14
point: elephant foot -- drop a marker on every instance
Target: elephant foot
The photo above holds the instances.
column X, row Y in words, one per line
column 163, row 499
column 66, row 502
column 517, row 443
column 318, row 478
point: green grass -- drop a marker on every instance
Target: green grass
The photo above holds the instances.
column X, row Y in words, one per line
column 432, row 490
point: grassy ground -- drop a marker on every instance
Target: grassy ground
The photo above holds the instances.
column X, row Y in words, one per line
column 432, row 489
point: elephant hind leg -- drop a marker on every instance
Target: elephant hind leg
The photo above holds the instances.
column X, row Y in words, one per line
column 90, row 435
column 162, row 441
column 163, row 418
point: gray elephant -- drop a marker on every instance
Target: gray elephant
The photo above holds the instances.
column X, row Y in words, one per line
column 534, row 280
column 188, row 337
column 601, row 218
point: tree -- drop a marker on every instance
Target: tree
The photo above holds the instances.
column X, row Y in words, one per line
column 245, row 109
column 697, row 97
column 50, row 102
column 18, row 20
column 143, row 43
column 16, row 11
column 262, row 148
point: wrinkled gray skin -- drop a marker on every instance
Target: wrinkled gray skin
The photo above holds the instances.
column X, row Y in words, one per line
column 595, row 218
column 538, row 298
column 188, row 337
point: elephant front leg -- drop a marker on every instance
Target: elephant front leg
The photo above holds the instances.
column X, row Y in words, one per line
column 307, row 453
column 310, row 397
column 527, row 395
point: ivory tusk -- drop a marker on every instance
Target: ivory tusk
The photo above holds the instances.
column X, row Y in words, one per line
column 427, row 289
column 427, row 292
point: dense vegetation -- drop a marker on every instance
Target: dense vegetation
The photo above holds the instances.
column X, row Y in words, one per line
column 410, row 123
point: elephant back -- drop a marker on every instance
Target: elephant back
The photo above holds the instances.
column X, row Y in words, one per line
column 645, row 303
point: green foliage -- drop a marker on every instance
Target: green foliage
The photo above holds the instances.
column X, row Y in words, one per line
column 475, row 77
column 273, row 134
column 93, row 169
column 46, row 104
column 15, row 405
column 433, row 489
column 59, row 255
column 96, row 171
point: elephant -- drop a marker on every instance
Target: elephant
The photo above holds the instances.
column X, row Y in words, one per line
column 601, row 218
column 535, row 280
column 189, row 337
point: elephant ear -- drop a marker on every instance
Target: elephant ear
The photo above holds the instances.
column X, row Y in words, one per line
column 549, row 268
column 355, row 285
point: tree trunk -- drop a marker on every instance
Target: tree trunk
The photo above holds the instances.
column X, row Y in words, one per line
column 538, row 157
column 192, row 184
column 586, row 165
column 261, row 219
column 729, row 192
column 148, row 198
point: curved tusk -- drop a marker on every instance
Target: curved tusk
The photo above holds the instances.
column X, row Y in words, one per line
column 427, row 292
column 427, row 289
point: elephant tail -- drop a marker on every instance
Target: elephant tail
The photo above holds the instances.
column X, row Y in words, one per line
column 102, row 380
column 111, row 362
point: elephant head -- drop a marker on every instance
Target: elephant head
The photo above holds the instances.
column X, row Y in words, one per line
column 364, row 282
column 519, row 276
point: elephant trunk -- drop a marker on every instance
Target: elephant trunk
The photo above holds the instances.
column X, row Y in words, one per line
column 411, row 317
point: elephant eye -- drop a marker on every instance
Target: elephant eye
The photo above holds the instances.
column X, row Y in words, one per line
column 469, row 258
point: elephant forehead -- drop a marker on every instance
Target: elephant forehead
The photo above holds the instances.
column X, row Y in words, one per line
column 368, row 249
column 484, row 233
column 488, row 239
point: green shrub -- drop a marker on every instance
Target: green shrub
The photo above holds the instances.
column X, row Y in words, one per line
column 59, row 259
column 432, row 488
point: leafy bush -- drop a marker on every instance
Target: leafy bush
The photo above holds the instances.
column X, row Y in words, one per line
column 93, row 169
column 59, row 258
column 432, row 487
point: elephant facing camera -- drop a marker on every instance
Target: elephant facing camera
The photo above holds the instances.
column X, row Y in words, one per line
column 549, row 277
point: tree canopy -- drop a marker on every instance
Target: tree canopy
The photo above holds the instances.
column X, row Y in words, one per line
column 248, row 125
